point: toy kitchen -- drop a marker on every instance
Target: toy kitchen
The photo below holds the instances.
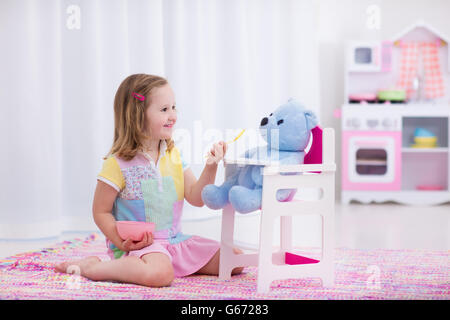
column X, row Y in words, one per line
column 395, row 121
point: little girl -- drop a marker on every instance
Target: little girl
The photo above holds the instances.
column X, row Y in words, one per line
column 145, row 178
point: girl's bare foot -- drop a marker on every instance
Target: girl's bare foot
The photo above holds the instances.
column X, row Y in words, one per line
column 71, row 266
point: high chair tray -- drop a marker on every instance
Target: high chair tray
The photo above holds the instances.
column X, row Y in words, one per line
column 246, row 161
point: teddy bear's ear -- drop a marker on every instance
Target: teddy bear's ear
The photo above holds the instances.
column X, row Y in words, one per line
column 311, row 119
column 293, row 101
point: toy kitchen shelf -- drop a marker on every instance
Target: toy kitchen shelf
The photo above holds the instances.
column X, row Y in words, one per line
column 380, row 162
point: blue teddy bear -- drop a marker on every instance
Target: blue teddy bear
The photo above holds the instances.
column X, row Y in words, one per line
column 287, row 132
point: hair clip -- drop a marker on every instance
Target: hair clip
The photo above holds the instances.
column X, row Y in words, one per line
column 138, row 96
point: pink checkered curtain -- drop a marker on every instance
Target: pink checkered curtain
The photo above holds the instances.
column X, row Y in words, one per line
column 434, row 84
column 408, row 66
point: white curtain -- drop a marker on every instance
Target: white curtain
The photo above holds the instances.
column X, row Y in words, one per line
column 61, row 62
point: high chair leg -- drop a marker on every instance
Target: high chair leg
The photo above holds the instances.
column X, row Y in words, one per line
column 328, row 251
column 226, row 244
column 265, row 254
column 286, row 233
column 328, row 280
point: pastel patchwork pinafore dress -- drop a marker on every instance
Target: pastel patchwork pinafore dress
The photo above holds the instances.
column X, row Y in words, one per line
column 155, row 193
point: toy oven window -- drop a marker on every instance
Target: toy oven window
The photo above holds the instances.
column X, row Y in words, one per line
column 371, row 162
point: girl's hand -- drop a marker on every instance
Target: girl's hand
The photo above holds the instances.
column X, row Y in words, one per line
column 217, row 152
column 130, row 245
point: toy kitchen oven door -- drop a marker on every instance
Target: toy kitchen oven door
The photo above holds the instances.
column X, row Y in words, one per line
column 371, row 155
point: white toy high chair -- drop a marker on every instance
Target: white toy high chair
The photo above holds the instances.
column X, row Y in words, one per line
column 318, row 171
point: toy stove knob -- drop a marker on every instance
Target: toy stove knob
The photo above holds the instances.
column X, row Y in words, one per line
column 372, row 123
column 356, row 122
column 387, row 123
column 348, row 123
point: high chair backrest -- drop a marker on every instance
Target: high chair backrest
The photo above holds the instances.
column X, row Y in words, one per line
column 314, row 155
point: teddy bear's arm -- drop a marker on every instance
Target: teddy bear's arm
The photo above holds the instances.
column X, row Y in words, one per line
column 250, row 153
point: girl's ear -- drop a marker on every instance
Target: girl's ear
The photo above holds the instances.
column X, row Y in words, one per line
column 311, row 119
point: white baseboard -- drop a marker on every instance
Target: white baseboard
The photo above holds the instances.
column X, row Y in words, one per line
column 38, row 230
column 47, row 229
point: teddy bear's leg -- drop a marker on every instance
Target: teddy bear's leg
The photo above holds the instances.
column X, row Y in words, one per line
column 216, row 197
column 245, row 200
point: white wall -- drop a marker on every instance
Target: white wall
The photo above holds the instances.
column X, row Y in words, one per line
column 341, row 20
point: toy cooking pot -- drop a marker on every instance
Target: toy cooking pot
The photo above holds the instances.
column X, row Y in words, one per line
column 391, row 95
column 362, row 97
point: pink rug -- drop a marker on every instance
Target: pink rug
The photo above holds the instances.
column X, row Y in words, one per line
column 360, row 274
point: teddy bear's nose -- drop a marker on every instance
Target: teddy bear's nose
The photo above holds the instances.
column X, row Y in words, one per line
column 264, row 121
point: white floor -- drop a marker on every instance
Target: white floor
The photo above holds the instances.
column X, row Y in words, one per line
column 358, row 226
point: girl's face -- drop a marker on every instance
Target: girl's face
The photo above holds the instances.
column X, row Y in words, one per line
column 161, row 115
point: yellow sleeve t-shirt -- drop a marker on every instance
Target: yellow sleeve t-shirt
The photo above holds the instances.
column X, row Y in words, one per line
column 148, row 191
column 111, row 174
